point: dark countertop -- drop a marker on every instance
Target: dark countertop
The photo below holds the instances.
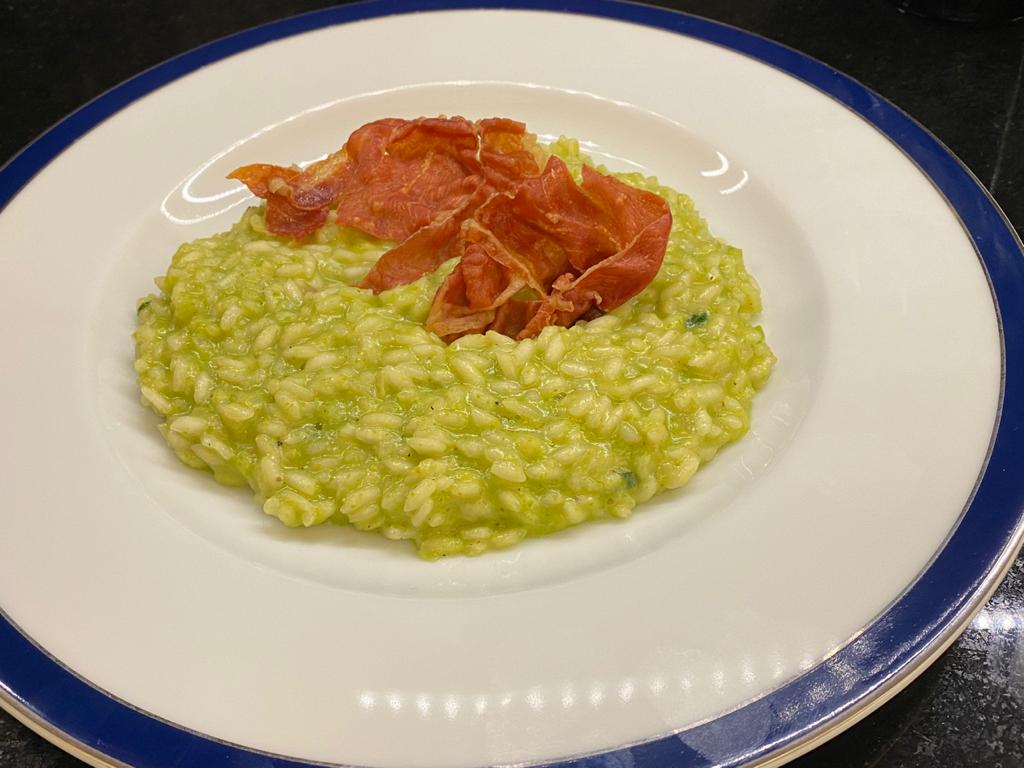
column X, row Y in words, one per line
column 962, row 82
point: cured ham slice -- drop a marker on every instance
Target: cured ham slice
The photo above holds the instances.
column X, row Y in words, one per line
column 427, row 168
column 533, row 247
column 503, row 156
column 558, row 251
column 426, row 249
column 394, row 177
column 273, row 184
column 508, row 154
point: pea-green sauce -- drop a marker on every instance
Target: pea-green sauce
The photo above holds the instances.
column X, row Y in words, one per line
column 332, row 404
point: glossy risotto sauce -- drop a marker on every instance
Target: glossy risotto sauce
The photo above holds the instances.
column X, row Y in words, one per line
column 271, row 370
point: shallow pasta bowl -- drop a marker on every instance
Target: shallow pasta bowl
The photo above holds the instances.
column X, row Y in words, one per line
column 153, row 618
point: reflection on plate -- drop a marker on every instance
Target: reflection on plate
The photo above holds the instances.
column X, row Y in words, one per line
column 753, row 611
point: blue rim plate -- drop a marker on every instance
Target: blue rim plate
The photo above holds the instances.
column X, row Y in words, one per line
column 863, row 674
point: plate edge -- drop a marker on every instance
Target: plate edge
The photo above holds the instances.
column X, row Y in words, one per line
column 601, row 9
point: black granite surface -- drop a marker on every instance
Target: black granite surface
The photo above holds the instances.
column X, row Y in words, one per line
column 961, row 81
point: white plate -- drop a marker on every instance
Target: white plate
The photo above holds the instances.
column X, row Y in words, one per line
column 777, row 580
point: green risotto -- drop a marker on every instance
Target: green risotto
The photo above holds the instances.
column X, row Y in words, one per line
column 271, row 369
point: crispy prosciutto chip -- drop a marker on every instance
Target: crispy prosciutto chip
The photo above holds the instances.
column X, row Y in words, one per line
column 508, row 154
column 427, row 168
column 427, row 248
column 394, row 177
column 504, row 155
column 533, row 247
column 273, row 183
column 556, row 250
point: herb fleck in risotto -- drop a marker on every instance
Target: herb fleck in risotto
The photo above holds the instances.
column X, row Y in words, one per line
column 272, row 369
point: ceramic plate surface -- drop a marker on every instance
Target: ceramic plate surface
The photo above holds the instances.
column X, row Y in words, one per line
column 153, row 618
